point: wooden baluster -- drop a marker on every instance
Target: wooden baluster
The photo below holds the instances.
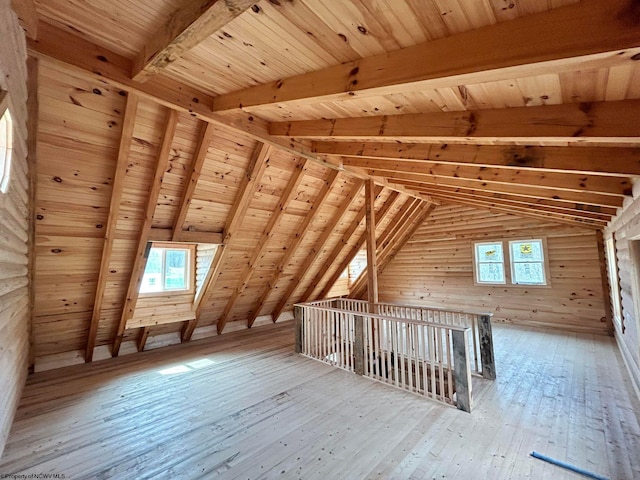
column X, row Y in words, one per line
column 449, row 392
column 461, row 369
column 474, row 335
column 486, row 348
column 359, row 345
column 298, row 314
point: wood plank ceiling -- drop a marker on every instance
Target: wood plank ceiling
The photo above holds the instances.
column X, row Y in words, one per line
column 254, row 124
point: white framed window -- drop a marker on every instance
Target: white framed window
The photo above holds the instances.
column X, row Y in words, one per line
column 489, row 263
column 168, row 269
column 513, row 262
column 6, row 147
column 527, row 262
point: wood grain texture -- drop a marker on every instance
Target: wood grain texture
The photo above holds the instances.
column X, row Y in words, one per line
column 559, row 393
column 435, row 267
column 15, row 209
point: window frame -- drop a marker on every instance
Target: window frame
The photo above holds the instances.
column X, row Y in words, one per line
column 508, row 264
column 544, row 263
column 477, row 262
column 190, row 266
column 6, row 146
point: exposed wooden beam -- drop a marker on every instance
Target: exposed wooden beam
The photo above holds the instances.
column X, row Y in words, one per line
column 405, row 233
column 288, row 195
column 403, row 215
column 255, row 169
column 206, row 135
column 126, row 136
column 577, row 182
column 316, row 250
column 522, row 200
column 190, row 24
column 142, row 250
column 542, row 208
column 370, row 231
column 335, row 253
column 27, row 15
column 184, row 236
column 591, row 32
column 617, row 161
column 554, row 217
column 572, row 122
column 142, row 338
column 301, row 231
column 379, row 215
column 514, row 189
column 90, row 61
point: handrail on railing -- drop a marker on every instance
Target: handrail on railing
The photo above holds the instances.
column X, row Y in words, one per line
column 409, row 348
column 481, row 337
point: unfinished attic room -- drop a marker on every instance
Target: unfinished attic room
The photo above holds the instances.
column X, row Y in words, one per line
column 320, row 239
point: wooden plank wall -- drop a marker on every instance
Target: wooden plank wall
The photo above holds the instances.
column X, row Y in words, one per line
column 15, row 314
column 625, row 229
column 435, row 268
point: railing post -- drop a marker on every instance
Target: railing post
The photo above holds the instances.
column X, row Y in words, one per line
column 461, row 369
column 297, row 314
column 358, row 345
column 486, row 348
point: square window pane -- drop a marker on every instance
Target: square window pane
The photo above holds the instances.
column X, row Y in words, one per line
column 526, row 251
column 489, row 252
column 491, row 272
column 528, row 273
column 175, row 269
column 152, row 278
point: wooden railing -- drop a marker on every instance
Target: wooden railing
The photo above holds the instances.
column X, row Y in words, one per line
column 480, row 339
column 424, row 357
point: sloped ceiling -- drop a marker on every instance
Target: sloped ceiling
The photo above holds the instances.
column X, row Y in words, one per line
column 255, row 124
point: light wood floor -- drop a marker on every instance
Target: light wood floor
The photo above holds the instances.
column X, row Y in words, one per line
column 260, row 411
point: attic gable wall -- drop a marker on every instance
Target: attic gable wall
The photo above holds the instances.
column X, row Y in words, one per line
column 435, row 267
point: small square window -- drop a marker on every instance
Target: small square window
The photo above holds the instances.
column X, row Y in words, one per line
column 527, row 262
column 489, row 263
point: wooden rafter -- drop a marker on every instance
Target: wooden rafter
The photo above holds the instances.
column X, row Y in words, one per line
column 405, row 233
column 379, row 215
column 315, row 251
column 189, row 25
column 523, row 200
column 287, row 196
column 617, row 161
column 335, row 252
column 206, row 135
column 142, row 250
column 566, row 210
column 126, row 136
column 142, row 338
column 90, row 61
column 255, row 169
column 294, row 244
column 557, row 181
column 413, row 180
column 571, row 122
column 27, row 15
column 524, row 212
column 553, row 41
column 370, row 232
column 387, row 236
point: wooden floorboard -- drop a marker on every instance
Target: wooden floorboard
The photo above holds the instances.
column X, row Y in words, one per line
column 246, row 407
